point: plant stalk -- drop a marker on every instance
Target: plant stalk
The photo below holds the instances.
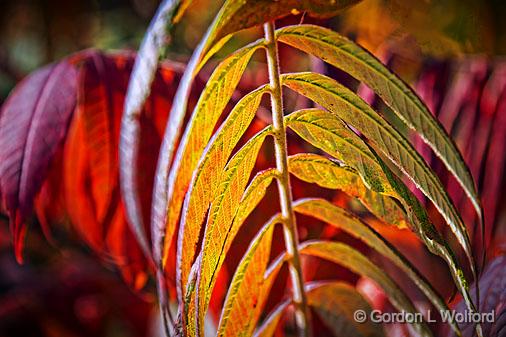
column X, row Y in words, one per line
column 283, row 181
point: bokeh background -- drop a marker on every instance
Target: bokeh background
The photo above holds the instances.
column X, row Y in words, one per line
column 451, row 51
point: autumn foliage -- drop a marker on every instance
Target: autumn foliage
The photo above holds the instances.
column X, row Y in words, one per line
column 171, row 176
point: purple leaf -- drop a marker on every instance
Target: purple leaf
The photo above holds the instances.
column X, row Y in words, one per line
column 33, row 123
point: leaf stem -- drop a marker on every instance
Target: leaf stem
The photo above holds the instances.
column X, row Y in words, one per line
column 284, row 188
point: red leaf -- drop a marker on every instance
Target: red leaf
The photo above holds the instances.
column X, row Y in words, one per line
column 492, row 297
column 33, row 123
column 91, row 173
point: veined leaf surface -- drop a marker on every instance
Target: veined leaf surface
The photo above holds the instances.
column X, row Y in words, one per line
column 33, row 123
column 336, row 304
column 350, row 258
column 219, row 231
column 351, row 58
column 237, row 15
column 143, row 74
column 354, row 111
column 252, row 196
column 206, row 182
column 233, row 16
column 325, row 211
column 325, row 131
column 250, row 286
column 318, row 128
column 269, row 325
column 326, row 173
column 213, row 100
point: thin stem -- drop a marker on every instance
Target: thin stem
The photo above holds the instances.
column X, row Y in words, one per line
column 285, row 191
column 166, row 315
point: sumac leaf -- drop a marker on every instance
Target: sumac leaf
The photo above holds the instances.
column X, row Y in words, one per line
column 269, row 325
column 336, row 303
column 351, row 58
column 212, row 102
column 326, row 131
column 350, row 258
column 340, row 218
column 250, row 286
column 492, row 298
column 206, row 182
column 354, row 111
column 143, row 74
column 33, row 123
column 326, row 173
column 219, row 230
column 238, row 15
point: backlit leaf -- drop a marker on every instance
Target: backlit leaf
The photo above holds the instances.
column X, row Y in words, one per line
column 210, row 106
column 206, row 182
column 233, row 16
column 269, row 325
column 351, row 58
column 238, row 15
column 336, row 303
column 250, row 286
column 340, row 218
column 219, row 230
column 326, row 173
column 253, row 195
column 350, row 258
column 324, row 130
column 354, row 111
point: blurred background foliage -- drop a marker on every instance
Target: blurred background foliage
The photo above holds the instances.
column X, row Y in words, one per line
column 36, row 32
column 64, row 290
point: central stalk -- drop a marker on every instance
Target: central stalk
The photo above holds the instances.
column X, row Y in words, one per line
column 284, row 188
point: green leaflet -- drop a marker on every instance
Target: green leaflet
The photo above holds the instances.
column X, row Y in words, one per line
column 212, row 102
column 351, row 58
column 206, row 182
column 325, row 131
column 336, row 304
column 250, row 286
column 318, row 128
column 325, row 211
column 350, row 258
column 326, row 173
column 354, row 111
column 220, row 229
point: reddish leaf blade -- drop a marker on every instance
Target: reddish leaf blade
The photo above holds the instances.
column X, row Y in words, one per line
column 492, row 299
column 95, row 104
column 33, row 123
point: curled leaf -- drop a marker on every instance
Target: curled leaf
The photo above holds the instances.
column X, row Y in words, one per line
column 143, row 74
